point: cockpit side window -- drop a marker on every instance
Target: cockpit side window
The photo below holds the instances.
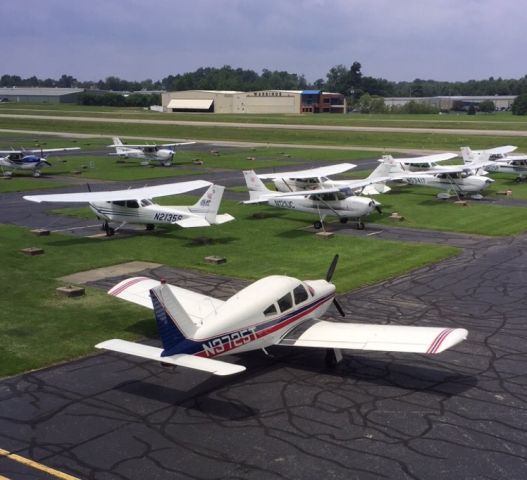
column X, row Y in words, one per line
column 300, row 294
column 286, row 302
column 145, row 202
column 132, row 204
column 120, row 203
column 270, row 310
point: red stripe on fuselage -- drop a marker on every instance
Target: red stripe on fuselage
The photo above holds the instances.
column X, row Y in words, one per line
column 267, row 331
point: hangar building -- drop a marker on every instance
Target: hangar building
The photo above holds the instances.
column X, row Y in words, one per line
column 264, row 101
column 39, row 95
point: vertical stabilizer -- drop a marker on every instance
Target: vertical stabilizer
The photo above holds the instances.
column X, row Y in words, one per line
column 257, row 189
column 174, row 325
column 117, row 141
column 468, row 155
column 388, row 167
column 209, row 205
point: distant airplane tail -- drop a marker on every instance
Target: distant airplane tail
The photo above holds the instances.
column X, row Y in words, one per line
column 116, row 141
column 257, row 189
column 388, row 167
column 468, row 155
column 209, row 204
column 174, row 324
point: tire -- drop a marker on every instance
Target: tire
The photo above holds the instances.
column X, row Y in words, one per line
column 343, row 219
column 317, row 225
column 150, row 227
column 360, row 226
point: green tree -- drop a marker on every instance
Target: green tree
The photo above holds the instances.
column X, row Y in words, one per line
column 487, row 106
column 519, row 106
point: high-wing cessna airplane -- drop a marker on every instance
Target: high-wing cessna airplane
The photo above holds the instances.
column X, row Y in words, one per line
column 457, row 180
column 317, row 178
column 498, row 160
column 162, row 154
column 275, row 310
column 135, row 205
column 34, row 160
column 340, row 202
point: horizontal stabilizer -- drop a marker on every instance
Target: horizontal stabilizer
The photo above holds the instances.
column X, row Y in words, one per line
column 224, row 218
column 215, row 367
column 192, row 222
column 385, row 338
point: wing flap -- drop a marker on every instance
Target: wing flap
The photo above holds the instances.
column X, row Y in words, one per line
column 137, row 290
column 387, row 338
column 215, row 367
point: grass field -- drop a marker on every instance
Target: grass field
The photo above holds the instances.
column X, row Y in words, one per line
column 497, row 121
column 383, row 140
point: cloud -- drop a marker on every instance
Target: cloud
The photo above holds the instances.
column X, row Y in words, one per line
column 439, row 39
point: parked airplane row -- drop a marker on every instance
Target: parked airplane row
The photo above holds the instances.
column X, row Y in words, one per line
column 36, row 159
column 195, row 329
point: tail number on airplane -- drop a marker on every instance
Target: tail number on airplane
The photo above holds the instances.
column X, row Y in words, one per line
column 229, row 342
column 168, row 217
column 284, row 203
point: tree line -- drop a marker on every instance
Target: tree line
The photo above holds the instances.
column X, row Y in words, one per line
column 349, row 81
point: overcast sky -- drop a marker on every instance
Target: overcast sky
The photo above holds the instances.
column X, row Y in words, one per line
column 139, row 39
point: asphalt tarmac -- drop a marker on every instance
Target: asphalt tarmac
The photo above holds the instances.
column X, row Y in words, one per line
column 460, row 414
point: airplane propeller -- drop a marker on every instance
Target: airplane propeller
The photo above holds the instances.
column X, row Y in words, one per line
column 329, row 276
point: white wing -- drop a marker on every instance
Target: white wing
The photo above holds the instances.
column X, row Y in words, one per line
column 182, row 360
column 386, row 338
column 500, row 150
column 137, row 290
column 131, row 194
column 39, row 150
column 168, row 145
column 438, row 157
column 311, row 173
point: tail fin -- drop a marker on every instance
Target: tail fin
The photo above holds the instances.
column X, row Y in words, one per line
column 388, row 167
column 209, row 204
column 117, row 141
column 468, row 155
column 174, row 325
column 257, row 189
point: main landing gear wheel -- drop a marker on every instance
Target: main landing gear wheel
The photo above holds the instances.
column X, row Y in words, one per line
column 333, row 357
column 360, row 225
column 317, row 225
column 150, row 227
column 36, row 174
column 109, row 230
column 343, row 219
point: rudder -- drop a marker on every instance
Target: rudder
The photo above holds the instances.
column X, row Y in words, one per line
column 174, row 325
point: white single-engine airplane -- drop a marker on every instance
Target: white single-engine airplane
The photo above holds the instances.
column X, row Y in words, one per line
column 317, row 178
column 275, row 310
column 498, row 160
column 135, row 205
column 338, row 201
column 455, row 179
column 34, row 160
column 163, row 154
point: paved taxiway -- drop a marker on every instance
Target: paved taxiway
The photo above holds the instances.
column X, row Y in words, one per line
column 458, row 415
